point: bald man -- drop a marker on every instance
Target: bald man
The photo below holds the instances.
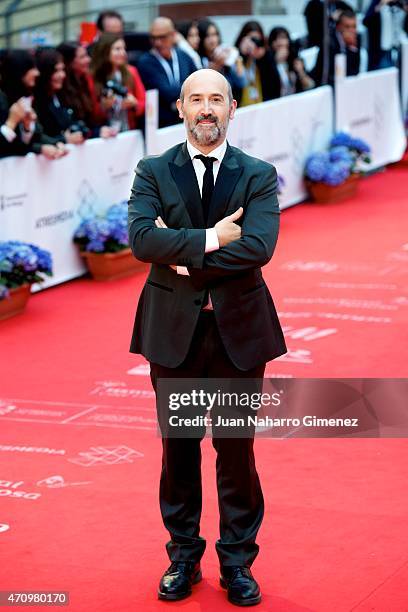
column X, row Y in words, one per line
column 206, row 216
column 165, row 67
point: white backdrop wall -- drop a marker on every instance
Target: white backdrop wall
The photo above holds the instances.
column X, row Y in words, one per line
column 404, row 76
column 368, row 106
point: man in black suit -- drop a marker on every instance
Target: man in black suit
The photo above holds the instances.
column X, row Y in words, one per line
column 206, row 215
column 343, row 39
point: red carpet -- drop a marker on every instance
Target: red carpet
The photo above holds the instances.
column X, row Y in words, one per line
column 80, row 459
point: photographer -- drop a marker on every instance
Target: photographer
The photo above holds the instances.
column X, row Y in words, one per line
column 118, row 87
column 292, row 76
column 262, row 78
column 20, row 132
column 345, row 40
column 58, row 120
column 384, row 21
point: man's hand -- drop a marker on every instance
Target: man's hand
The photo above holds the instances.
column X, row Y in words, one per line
column 227, row 230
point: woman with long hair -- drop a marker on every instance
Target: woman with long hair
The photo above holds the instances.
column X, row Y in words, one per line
column 220, row 57
column 188, row 40
column 20, row 131
column 56, row 118
column 293, row 77
column 118, row 86
column 78, row 92
column 262, row 78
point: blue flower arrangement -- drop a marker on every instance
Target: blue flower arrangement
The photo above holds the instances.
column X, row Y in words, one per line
column 339, row 162
column 21, row 263
column 106, row 233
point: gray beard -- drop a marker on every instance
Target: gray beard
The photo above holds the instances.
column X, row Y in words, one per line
column 206, row 135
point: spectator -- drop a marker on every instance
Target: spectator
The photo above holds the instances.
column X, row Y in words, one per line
column 165, row 67
column 222, row 58
column 109, row 22
column 20, row 132
column 118, row 86
column 78, row 92
column 188, row 40
column 292, row 76
column 314, row 15
column 344, row 40
column 262, row 77
column 383, row 20
column 56, row 118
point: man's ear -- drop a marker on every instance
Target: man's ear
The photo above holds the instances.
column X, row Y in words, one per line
column 180, row 108
column 233, row 108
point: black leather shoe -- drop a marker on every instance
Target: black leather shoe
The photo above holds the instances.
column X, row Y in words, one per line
column 177, row 580
column 242, row 588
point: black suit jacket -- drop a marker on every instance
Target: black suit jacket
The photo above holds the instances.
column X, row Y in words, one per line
column 170, row 303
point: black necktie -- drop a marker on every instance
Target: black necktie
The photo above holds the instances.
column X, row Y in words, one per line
column 208, row 183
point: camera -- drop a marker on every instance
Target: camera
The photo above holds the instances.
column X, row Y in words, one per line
column 79, row 126
column 258, row 42
column 398, row 3
column 114, row 88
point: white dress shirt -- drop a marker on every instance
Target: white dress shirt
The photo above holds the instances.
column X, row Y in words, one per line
column 211, row 238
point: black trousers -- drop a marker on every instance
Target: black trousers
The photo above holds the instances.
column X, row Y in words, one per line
column 240, row 499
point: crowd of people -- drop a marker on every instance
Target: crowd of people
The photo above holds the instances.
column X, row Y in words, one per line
column 53, row 96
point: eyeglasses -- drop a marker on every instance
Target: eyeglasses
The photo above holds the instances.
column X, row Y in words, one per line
column 160, row 36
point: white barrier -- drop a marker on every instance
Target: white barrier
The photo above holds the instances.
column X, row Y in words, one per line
column 404, row 76
column 368, row 106
column 43, row 202
column 283, row 131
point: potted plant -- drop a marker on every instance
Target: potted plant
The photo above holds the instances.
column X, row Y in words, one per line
column 21, row 265
column 104, row 243
column 333, row 175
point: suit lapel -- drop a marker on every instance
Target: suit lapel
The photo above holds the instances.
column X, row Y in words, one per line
column 185, row 178
column 227, row 178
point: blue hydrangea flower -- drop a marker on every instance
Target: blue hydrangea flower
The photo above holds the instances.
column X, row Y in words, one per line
column 316, row 166
column 21, row 262
column 359, row 145
column 341, row 139
column 341, row 153
column 105, row 233
column 336, row 173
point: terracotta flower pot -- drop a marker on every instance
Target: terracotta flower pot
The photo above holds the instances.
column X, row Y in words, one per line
column 15, row 303
column 111, row 266
column 322, row 193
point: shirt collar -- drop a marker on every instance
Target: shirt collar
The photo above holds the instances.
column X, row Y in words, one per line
column 218, row 153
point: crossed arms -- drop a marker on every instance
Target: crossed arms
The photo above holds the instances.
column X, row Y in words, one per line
column 252, row 246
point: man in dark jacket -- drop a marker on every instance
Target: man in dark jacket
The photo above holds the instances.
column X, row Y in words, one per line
column 344, row 39
column 206, row 216
column 165, row 67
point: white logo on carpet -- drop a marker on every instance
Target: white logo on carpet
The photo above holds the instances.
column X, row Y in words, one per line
column 107, row 455
column 57, row 482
